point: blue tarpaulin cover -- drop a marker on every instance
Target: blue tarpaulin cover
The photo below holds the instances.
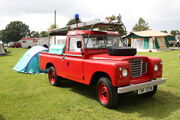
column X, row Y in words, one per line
column 29, row 63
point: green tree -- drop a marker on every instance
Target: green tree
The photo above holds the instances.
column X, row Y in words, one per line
column 53, row 26
column 121, row 30
column 164, row 31
column 15, row 30
column 34, row 34
column 141, row 25
column 3, row 36
column 110, row 18
column 175, row 32
column 73, row 21
column 43, row 34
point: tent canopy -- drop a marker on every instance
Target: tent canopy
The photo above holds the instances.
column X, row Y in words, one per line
column 149, row 39
column 29, row 63
column 151, row 33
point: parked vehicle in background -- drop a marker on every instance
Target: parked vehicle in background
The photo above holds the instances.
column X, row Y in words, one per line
column 28, row 42
column 31, row 42
column 172, row 43
column 5, row 44
column 14, row 44
column 43, row 41
column 10, row 44
column 177, row 44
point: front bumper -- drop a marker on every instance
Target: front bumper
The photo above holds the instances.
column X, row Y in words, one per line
column 134, row 87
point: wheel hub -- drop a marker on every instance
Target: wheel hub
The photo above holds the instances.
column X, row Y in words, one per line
column 52, row 76
column 103, row 94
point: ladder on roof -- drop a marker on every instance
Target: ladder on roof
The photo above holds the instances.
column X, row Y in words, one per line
column 97, row 23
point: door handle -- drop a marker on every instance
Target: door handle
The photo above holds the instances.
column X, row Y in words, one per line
column 67, row 63
column 63, row 58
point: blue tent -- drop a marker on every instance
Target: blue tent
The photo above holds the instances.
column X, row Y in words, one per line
column 29, row 63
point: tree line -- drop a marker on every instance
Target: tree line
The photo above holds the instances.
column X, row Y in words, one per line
column 16, row 30
column 141, row 25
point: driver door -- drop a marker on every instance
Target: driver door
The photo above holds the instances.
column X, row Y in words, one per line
column 73, row 59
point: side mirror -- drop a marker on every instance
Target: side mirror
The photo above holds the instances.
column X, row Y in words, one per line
column 79, row 45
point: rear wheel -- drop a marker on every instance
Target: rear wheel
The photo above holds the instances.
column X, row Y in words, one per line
column 54, row 80
column 106, row 93
column 46, row 46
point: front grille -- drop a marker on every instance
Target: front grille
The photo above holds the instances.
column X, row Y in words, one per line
column 138, row 67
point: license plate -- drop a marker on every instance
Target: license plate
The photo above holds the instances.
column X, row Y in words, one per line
column 145, row 90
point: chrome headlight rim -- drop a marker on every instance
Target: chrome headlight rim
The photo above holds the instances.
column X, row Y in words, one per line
column 125, row 72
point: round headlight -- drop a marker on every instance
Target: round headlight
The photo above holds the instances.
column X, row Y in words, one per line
column 124, row 72
column 156, row 67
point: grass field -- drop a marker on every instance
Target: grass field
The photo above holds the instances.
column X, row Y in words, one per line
column 30, row 97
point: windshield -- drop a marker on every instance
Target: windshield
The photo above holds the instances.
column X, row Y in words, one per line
column 102, row 41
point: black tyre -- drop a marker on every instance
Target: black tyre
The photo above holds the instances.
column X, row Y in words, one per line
column 150, row 94
column 54, row 80
column 106, row 93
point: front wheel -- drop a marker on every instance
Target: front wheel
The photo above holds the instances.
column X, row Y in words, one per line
column 106, row 93
column 53, row 78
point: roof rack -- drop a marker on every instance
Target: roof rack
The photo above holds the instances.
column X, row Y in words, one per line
column 97, row 23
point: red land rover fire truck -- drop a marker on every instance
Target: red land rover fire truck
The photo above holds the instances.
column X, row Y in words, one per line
column 95, row 57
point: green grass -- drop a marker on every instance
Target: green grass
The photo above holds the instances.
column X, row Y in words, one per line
column 30, row 97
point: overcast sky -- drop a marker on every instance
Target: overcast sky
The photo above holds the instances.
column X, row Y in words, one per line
column 38, row 14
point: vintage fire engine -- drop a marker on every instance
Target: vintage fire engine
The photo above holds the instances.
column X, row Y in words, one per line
column 95, row 57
